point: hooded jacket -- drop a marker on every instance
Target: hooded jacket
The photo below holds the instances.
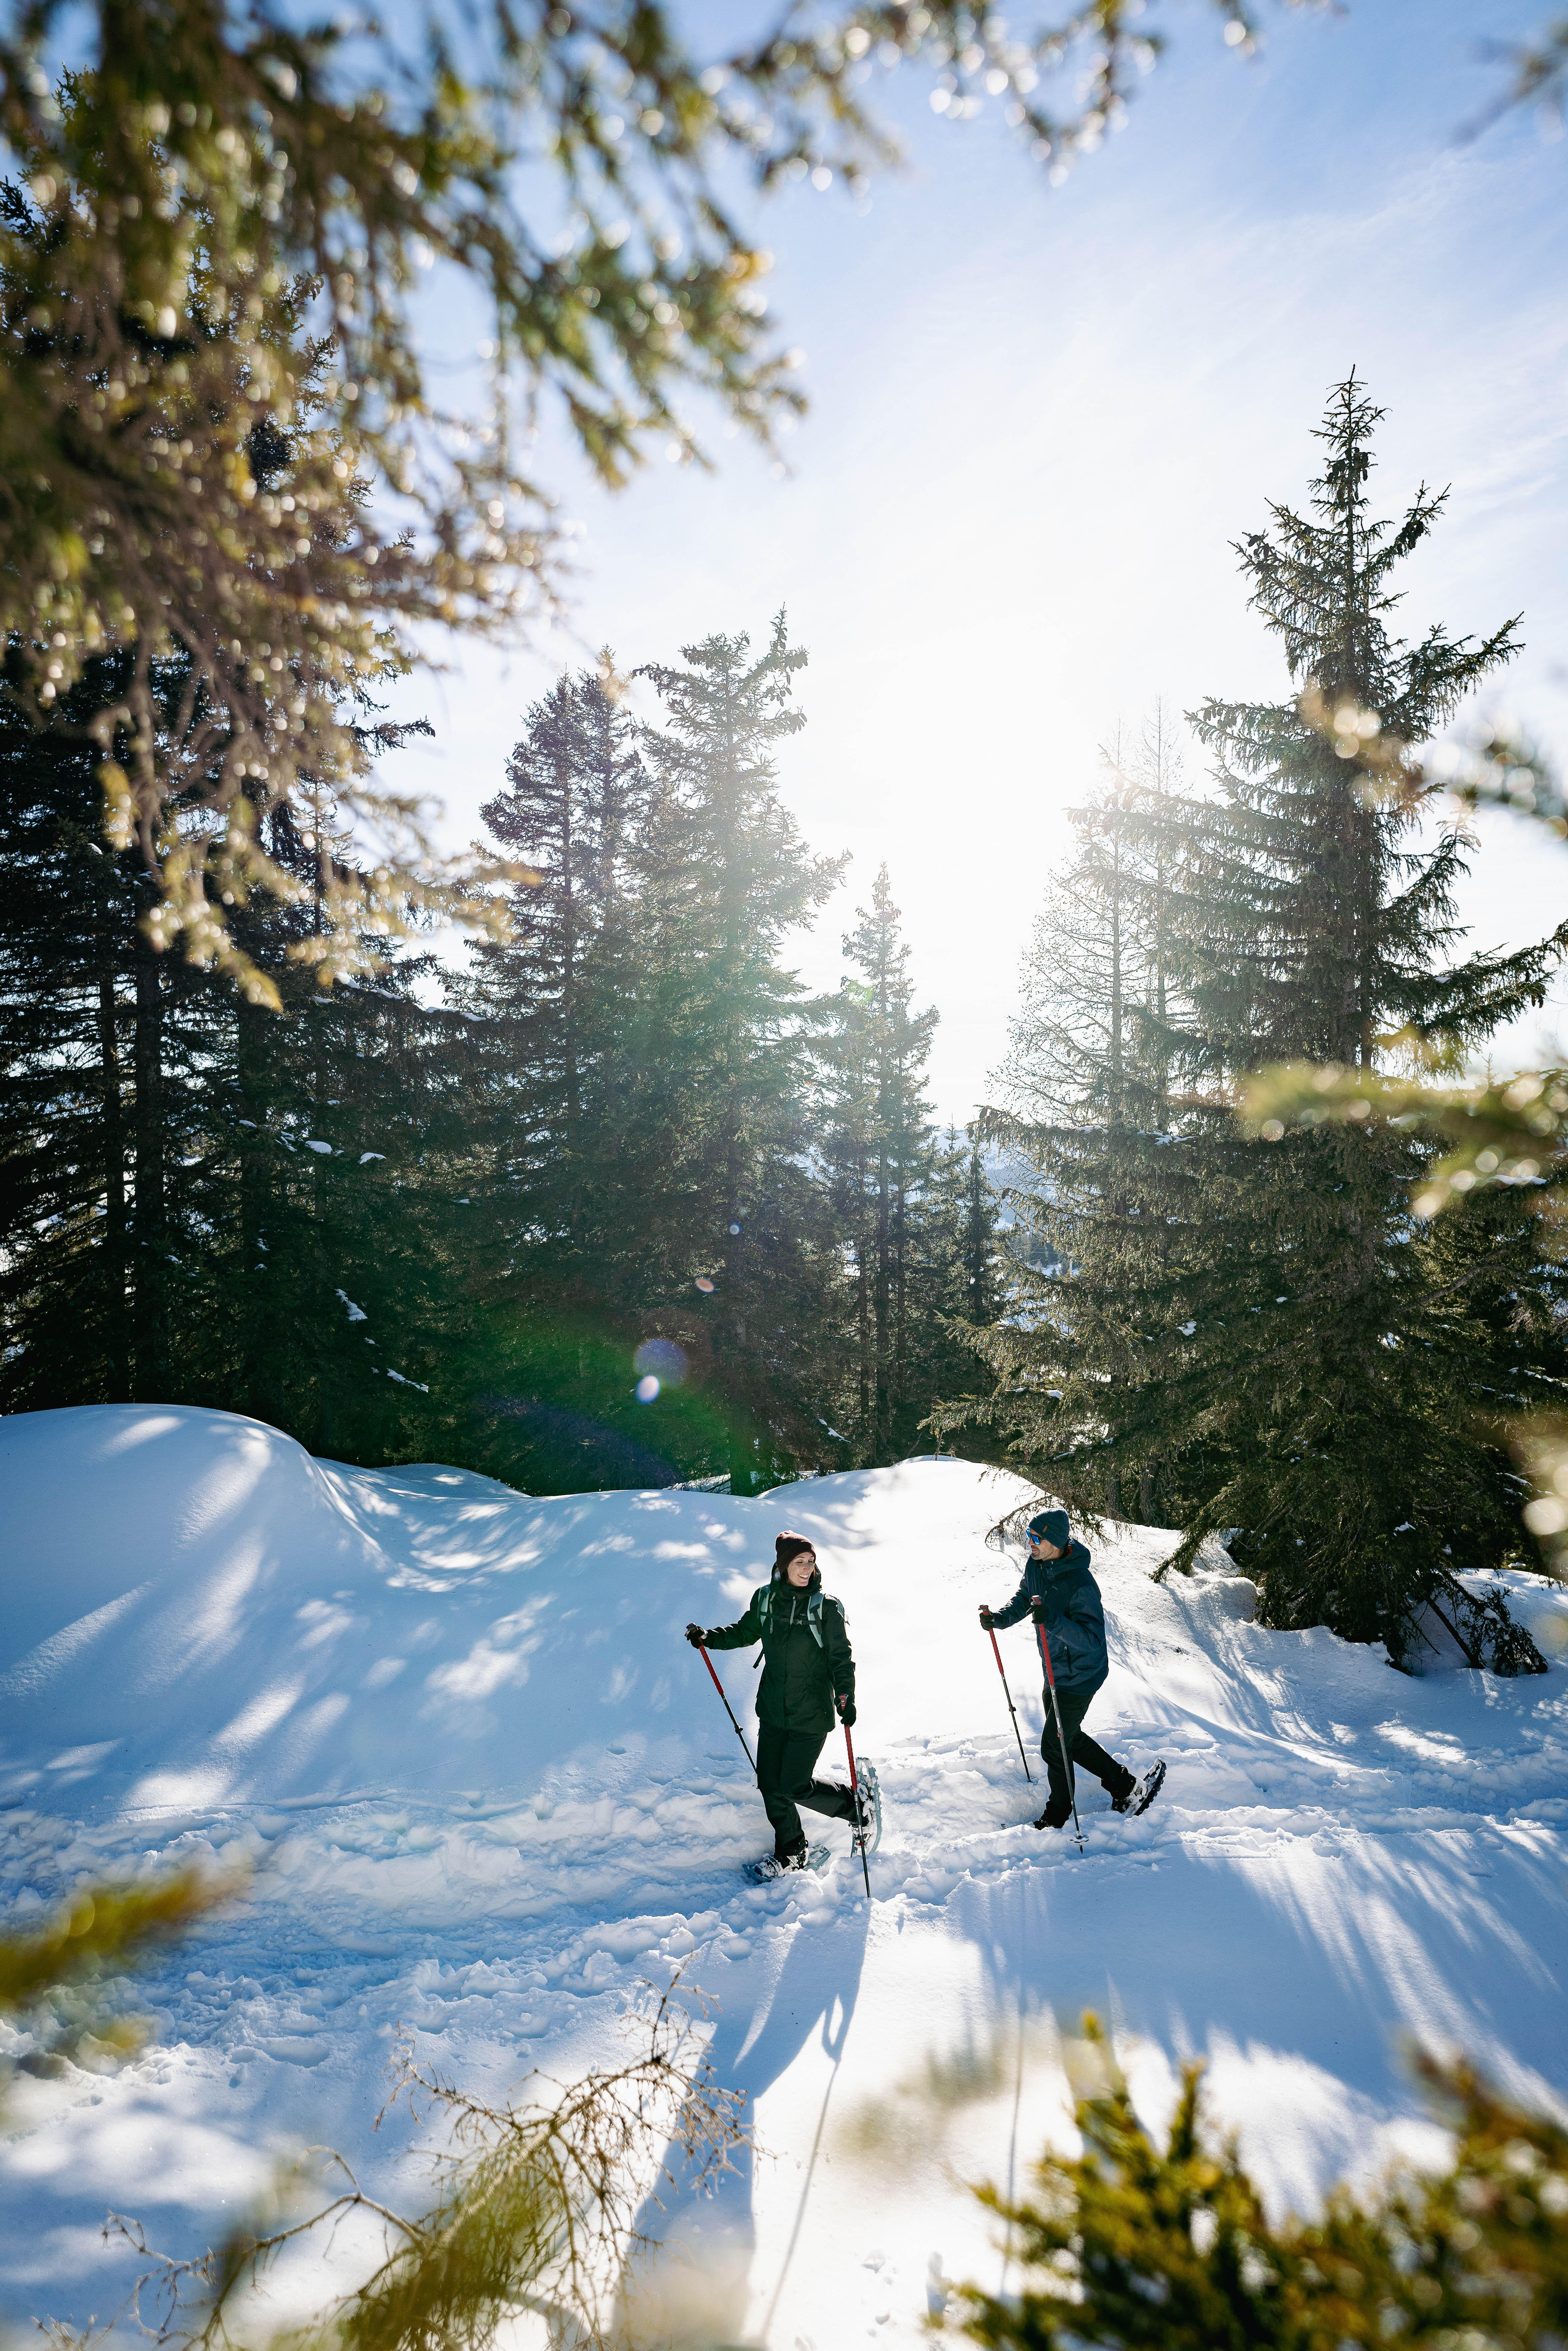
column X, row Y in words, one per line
column 805, row 1659
column 1074, row 1620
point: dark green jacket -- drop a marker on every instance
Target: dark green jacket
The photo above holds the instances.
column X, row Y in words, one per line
column 802, row 1674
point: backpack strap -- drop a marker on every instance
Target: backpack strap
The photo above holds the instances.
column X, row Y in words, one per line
column 813, row 1611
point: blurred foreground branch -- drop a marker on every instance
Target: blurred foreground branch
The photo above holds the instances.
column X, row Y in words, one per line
column 539, row 2208
column 227, row 451
column 1513, row 1130
column 1129, row 2244
column 50, row 1979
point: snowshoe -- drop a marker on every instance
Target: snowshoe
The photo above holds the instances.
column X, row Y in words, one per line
column 868, row 1788
column 812, row 1857
column 1141, row 1792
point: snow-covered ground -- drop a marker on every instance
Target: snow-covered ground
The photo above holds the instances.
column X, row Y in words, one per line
column 488, row 1789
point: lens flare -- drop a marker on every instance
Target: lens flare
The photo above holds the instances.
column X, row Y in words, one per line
column 662, row 1361
column 647, row 1389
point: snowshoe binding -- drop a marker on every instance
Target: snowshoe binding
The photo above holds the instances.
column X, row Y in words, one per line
column 868, row 1789
column 1141, row 1792
column 811, row 1857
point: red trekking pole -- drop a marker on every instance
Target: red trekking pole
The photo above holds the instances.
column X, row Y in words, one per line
column 854, row 1792
column 724, row 1702
column 1066, row 1759
column 1013, row 1709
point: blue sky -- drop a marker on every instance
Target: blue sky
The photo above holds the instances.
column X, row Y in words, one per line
column 1039, row 418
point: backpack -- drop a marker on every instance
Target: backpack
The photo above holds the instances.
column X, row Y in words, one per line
column 813, row 1610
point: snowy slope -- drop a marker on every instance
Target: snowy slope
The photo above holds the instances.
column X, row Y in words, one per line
column 488, row 1789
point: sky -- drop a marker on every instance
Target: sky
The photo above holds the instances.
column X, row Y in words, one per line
column 1040, row 419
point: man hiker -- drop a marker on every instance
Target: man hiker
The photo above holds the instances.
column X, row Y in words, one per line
column 1062, row 1598
column 807, row 1685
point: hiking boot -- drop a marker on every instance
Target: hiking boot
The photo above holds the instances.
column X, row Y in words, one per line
column 1141, row 1792
column 1050, row 1819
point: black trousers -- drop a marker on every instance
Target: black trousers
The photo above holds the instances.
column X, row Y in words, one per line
column 785, row 1763
column 1113, row 1776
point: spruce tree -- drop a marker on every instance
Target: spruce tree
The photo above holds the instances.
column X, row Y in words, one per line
column 570, row 1271
column 916, row 1212
column 1305, row 1363
column 644, row 1057
column 202, row 1199
column 1095, row 1188
column 550, row 995
column 958, row 1278
column 718, row 1109
column 877, row 1146
column 67, row 915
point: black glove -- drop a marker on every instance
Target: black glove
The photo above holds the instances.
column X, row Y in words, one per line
column 696, row 1636
column 986, row 1619
column 1037, row 1609
column 846, row 1709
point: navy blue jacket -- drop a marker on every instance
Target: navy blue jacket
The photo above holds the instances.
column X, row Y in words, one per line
column 1074, row 1618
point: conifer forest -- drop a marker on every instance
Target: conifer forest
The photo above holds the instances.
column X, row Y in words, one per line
column 604, row 1194
column 610, row 1198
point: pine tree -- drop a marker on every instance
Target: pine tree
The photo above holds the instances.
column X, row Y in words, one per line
column 68, row 915
column 205, row 1200
column 1304, row 1362
column 553, row 994
column 958, row 1278
column 644, row 1060
column 718, row 1109
column 570, row 1275
column 916, row 1212
column 1095, row 1187
column 877, row 1147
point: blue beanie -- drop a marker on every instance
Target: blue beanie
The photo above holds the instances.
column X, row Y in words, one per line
column 1050, row 1527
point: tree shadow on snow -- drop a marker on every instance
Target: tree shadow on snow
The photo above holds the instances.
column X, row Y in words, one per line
column 695, row 2289
column 1298, row 1978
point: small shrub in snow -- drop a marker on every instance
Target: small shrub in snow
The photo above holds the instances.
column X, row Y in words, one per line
column 538, row 2209
column 1129, row 2245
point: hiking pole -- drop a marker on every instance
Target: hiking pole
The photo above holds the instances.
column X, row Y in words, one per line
column 1066, row 1759
column 854, row 1796
column 1013, row 1709
column 724, row 1701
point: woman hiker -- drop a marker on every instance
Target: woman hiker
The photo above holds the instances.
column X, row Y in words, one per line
column 1063, row 1599
column 808, row 1683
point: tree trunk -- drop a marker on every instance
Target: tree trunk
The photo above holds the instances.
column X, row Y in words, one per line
column 862, row 1304
column 149, row 1223
column 569, row 1023
column 116, row 1330
column 256, row 1275
column 883, row 1428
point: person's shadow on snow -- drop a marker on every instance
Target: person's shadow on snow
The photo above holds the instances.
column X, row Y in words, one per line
column 694, row 2289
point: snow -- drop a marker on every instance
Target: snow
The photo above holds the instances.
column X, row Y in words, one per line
column 488, row 1789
